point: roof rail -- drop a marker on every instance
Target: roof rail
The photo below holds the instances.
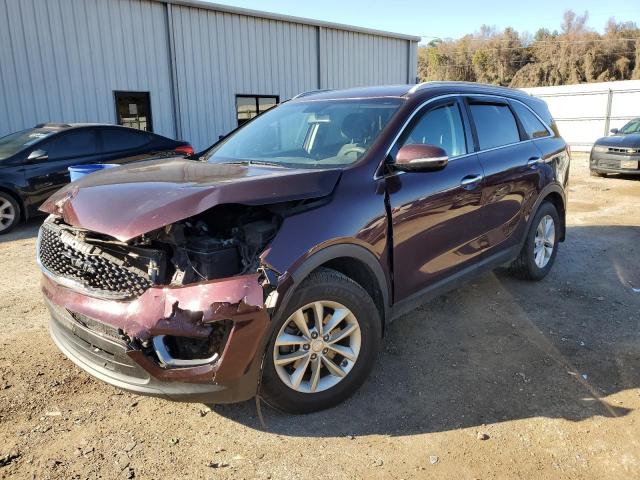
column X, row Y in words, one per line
column 53, row 125
column 419, row 86
column 311, row 92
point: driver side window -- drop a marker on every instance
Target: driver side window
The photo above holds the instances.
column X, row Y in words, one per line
column 440, row 126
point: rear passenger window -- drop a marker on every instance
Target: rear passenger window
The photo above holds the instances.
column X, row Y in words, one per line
column 114, row 140
column 534, row 127
column 441, row 126
column 495, row 125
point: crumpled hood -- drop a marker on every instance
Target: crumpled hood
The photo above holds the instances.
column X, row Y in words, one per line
column 631, row 140
column 130, row 200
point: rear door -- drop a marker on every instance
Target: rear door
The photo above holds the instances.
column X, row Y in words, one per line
column 436, row 216
column 510, row 161
column 75, row 147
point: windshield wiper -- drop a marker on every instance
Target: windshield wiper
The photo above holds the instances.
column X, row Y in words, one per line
column 255, row 162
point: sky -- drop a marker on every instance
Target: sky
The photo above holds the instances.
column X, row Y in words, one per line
column 430, row 19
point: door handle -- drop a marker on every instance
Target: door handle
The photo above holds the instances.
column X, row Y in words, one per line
column 470, row 180
column 533, row 161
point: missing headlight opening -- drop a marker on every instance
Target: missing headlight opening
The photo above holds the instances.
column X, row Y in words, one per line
column 221, row 242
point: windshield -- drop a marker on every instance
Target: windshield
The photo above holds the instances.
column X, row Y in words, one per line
column 13, row 143
column 632, row 127
column 314, row 134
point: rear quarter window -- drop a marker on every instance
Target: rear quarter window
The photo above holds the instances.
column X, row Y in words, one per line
column 495, row 125
column 532, row 126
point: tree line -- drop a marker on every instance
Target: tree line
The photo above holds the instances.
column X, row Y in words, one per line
column 575, row 54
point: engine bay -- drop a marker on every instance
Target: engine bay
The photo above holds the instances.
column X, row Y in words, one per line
column 222, row 242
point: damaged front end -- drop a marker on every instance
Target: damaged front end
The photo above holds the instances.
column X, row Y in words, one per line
column 177, row 312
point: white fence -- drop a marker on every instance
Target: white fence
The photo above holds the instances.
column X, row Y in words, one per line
column 587, row 111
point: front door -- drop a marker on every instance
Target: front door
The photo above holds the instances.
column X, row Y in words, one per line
column 436, row 216
column 76, row 147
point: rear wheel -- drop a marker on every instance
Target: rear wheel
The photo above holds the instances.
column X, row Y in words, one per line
column 541, row 245
column 9, row 213
column 324, row 345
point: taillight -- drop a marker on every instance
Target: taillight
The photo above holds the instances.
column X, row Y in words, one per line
column 184, row 150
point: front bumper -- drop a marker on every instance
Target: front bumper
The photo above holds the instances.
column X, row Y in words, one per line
column 109, row 347
column 614, row 163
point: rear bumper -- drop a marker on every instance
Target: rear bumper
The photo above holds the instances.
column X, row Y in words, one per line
column 110, row 346
column 612, row 163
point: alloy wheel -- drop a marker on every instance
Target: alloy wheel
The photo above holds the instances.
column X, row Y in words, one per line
column 544, row 241
column 317, row 346
column 7, row 214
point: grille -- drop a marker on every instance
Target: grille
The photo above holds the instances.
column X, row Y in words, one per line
column 623, row 150
column 96, row 327
column 87, row 265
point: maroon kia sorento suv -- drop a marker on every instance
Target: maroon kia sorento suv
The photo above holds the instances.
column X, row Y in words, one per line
column 273, row 265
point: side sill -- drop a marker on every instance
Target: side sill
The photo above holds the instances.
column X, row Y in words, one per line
column 454, row 281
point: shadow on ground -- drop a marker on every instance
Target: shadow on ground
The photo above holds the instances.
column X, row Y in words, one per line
column 500, row 349
column 23, row 231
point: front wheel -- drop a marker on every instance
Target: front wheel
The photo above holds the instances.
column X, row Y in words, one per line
column 324, row 345
column 9, row 213
column 541, row 245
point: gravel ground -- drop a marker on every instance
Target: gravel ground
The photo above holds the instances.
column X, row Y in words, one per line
column 498, row 379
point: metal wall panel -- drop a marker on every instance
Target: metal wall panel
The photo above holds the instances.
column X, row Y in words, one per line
column 586, row 112
column 350, row 59
column 61, row 60
column 219, row 55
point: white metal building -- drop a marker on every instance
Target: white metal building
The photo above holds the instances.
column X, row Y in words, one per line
column 587, row 111
column 183, row 68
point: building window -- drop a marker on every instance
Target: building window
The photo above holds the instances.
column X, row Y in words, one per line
column 248, row 106
column 133, row 109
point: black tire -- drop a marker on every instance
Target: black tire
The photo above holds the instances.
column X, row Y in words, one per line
column 595, row 173
column 524, row 266
column 328, row 285
column 8, row 205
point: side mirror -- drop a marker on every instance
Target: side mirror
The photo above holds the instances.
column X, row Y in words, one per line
column 37, row 155
column 420, row 158
column 614, row 130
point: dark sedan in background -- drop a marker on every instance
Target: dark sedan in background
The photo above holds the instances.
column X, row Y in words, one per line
column 34, row 162
column 619, row 153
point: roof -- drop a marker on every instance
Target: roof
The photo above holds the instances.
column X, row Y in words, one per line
column 287, row 18
column 407, row 91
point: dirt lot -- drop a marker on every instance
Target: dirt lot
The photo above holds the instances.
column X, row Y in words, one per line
column 550, row 372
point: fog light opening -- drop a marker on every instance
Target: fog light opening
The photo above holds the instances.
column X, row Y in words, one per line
column 167, row 359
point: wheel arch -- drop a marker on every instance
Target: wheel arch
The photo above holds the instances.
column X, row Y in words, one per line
column 21, row 206
column 353, row 261
column 555, row 194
